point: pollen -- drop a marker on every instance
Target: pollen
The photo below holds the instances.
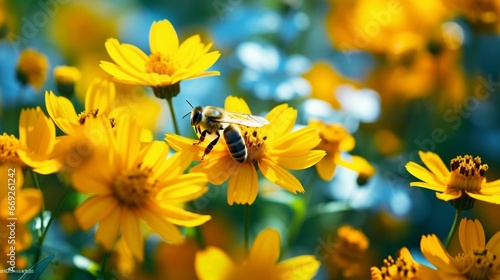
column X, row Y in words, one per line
column 83, row 116
column 255, row 142
column 401, row 268
column 9, row 145
column 477, row 264
column 133, row 188
column 467, row 173
column 161, row 64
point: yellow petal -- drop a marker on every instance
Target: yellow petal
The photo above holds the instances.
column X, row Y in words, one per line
column 165, row 229
column 326, row 167
column 302, row 267
column 37, row 132
column 189, row 50
column 154, row 156
column 186, row 188
column 300, row 161
column 301, row 140
column 109, row 227
column 60, row 108
column 175, row 165
column 90, row 180
column 435, row 253
column 100, row 96
column 218, row 168
column 122, row 56
column 434, row 163
column 424, row 174
column 492, row 198
column 491, row 188
column 94, row 209
column 128, row 138
column 180, row 143
column 28, row 204
column 202, row 64
column 280, row 176
column 163, row 38
column 449, row 195
column 243, row 185
column 493, row 244
column 266, row 247
column 213, row 264
column 236, row 104
column 131, row 234
column 282, row 119
column 178, row 216
column 471, row 235
column 123, row 75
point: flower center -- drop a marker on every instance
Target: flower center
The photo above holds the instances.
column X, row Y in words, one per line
column 8, row 149
column 255, row 144
column 477, row 264
column 160, row 64
column 133, row 187
column 349, row 247
column 331, row 136
column 400, row 269
column 467, row 173
column 83, row 116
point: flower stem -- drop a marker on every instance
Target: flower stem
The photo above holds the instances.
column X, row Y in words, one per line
column 453, row 229
column 104, row 263
column 247, row 228
column 172, row 113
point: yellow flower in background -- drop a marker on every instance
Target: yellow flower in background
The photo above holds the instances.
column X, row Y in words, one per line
column 484, row 16
column 478, row 260
column 462, row 185
column 349, row 250
column 214, row 264
column 274, row 148
column 167, row 65
column 130, row 183
column 380, row 26
column 32, row 68
column 66, row 78
column 334, row 140
column 403, row 268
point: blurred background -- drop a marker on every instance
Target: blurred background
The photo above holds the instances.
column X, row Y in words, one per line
column 400, row 76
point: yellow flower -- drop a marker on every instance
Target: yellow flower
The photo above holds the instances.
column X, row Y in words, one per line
column 483, row 15
column 214, row 264
column 403, row 268
column 479, row 260
column 35, row 147
column 130, row 183
column 273, row 148
column 349, row 250
column 334, row 140
column 167, row 65
column 324, row 80
column 32, row 68
column 98, row 102
column 66, row 77
column 462, row 185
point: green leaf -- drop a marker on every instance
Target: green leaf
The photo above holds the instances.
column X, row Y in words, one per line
column 38, row 269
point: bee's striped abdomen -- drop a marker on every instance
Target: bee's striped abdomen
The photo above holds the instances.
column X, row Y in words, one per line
column 235, row 143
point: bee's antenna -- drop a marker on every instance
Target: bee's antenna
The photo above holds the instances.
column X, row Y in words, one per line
column 189, row 111
column 186, row 114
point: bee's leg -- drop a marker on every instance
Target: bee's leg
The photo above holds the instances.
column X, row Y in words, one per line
column 202, row 137
column 211, row 145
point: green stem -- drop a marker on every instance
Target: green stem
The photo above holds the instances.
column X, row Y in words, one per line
column 453, row 229
column 104, row 264
column 172, row 112
column 42, row 211
column 199, row 238
column 247, row 228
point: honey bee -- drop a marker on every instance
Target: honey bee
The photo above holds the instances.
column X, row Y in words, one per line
column 212, row 120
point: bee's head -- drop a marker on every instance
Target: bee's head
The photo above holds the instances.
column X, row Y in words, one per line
column 196, row 115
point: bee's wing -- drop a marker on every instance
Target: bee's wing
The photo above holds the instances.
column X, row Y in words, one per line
column 244, row 119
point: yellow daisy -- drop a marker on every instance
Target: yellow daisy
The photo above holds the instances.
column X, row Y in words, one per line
column 462, row 185
column 334, row 140
column 478, row 261
column 167, row 65
column 272, row 148
column 214, row 264
column 130, row 183
column 32, row 68
column 66, row 78
column 403, row 268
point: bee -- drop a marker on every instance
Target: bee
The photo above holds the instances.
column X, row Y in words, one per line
column 213, row 120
